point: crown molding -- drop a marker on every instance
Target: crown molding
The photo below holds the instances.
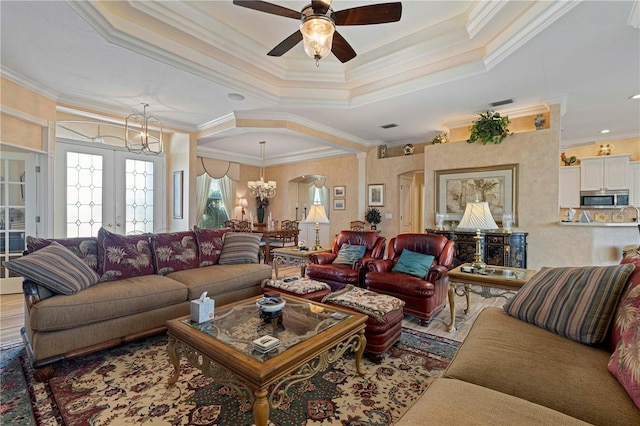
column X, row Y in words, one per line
column 309, row 155
column 482, row 14
column 28, row 83
column 511, row 112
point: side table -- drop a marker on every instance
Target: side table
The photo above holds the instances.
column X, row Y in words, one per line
column 295, row 256
column 509, row 279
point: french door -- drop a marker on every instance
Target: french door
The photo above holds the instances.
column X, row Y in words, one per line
column 17, row 212
column 106, row 187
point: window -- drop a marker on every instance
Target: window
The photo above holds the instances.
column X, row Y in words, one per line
column 215, row 212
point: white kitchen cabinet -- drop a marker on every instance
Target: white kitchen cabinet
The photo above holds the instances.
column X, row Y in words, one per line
column 606, row 172
column 634, row 183
column 569, row 195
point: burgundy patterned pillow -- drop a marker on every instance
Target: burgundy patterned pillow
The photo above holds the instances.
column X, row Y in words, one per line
column 175, row 251
column 124, row 256
column 626, row 309
column 86, row 248
column 209, row 244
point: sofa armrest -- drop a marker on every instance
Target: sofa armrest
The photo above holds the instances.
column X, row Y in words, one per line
column 380, row 265
column 323, row 258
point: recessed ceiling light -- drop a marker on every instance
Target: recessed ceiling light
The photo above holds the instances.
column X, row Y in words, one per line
column 235, row 96
column 635, row 96
column 603, row 131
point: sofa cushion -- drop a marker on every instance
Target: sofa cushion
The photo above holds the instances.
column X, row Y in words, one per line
column 627, row 308
column 175, row 251
column 348, row 254
column 221, row 279
column 412, row 263
column 105, row 301
column 209, row 244
column 86, row 248
column 240, row 247
column 576, row 302
column 520, row 359
column 124, row 256
column 56, row 268
column 453, row 402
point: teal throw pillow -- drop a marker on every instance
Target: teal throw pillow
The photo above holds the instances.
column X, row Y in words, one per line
column 413, row 263
column 348, row 254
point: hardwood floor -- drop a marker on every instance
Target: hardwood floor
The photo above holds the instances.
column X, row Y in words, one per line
column 12, row 315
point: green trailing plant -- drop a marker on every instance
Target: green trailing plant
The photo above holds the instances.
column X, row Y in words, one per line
column 443, row 138
column 373, row 216
column 489, row 127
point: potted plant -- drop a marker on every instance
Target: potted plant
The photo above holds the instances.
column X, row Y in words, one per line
column 373, row 217
column 489, row 127
column 443, row 138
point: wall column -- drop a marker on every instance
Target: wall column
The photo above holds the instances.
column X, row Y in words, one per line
column 362, row 181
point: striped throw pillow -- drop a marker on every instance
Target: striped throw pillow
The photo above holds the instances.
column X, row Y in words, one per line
column 56, row 268
column 240, row 247
column 575, row 302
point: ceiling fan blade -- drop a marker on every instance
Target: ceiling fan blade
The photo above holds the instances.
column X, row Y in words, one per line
column 286, row 44
column 342, row 49
column 263, row 6
column 372, row 14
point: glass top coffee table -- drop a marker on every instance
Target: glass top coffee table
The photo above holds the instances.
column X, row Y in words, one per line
column 311, row 336
column 506, row 278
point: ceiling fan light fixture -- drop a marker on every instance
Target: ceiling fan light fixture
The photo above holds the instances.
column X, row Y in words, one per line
column 317, row 34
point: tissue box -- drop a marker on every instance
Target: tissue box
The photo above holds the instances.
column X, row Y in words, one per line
column 202, row 311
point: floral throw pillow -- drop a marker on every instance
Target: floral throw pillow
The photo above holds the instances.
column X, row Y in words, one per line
column 628, row 306
column 175, row 251
column 124, row 256
column 210, row 244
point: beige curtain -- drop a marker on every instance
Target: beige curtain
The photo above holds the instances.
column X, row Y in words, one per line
column 228, row 190
column 203, row 183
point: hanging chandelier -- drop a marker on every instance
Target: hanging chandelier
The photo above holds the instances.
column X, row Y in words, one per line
column 263, row 189
column 143, row 133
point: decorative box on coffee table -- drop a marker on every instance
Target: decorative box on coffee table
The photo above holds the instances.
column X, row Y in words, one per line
column 384, row 326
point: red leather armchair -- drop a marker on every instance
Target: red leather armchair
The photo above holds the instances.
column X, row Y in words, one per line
column 338, row 276
column 424, row 297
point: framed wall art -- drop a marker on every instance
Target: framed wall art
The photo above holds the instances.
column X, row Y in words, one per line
column 339, row 204
column 339, row 191
column 376, row 195
column 497, row 185
column 177, row 194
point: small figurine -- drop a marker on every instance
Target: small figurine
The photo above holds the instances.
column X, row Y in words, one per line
column 606, row 149
column 568, row 161
column 571, row 214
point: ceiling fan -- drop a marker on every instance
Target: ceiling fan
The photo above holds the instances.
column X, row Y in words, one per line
column 318, row 22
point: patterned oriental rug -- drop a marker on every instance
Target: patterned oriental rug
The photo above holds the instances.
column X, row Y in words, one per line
column 128, row 386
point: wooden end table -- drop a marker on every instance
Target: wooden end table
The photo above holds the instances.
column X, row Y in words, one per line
column 294, row 255
column 506, row 278
column 310, row 339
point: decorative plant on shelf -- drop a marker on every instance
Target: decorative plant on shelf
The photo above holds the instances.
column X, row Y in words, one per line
column 373, row 217
column 489, row 127
column 443, row 138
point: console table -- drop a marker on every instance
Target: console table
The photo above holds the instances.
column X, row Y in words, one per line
column 498, row 248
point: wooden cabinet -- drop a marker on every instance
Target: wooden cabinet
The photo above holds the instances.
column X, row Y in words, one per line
column 569, row 193
column 606, row 172
column 634, row 183
column 498, row 248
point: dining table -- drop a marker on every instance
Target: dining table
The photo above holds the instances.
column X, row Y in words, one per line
column 269, row 235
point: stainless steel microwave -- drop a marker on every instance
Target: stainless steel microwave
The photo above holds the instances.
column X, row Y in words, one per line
column 604, row 199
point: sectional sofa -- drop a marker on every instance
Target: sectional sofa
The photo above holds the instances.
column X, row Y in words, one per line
column 529, row 364
column 126, row 287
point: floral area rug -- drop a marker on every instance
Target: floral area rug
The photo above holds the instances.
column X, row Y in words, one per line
column 128, row 386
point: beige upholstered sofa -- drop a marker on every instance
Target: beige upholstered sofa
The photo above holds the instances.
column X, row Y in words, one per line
column 510, row 372
column 120, row 307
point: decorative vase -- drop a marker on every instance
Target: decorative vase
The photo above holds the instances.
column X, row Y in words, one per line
column 374, row 227
column 260, row 214
column 382, row 151
column 539, row 121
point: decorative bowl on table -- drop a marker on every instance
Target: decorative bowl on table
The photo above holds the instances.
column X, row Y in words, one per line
column 271, row 304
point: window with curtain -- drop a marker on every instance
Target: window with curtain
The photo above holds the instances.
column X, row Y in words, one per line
column 215, row 212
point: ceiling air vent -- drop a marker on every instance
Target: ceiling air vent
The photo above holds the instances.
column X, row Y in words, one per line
column 389, row 126
column 500, row 103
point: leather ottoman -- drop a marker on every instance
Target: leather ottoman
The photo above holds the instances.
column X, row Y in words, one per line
column 384, row 326
column 296, row 286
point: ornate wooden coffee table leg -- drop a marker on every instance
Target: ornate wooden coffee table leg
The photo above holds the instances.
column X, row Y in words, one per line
column 363, row 344
column 452, row 306
column 174, row 356
column 261, row 408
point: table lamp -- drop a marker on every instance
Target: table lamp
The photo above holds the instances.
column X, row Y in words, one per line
column 477, row 216
column 243, row 203
column 317, row 215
